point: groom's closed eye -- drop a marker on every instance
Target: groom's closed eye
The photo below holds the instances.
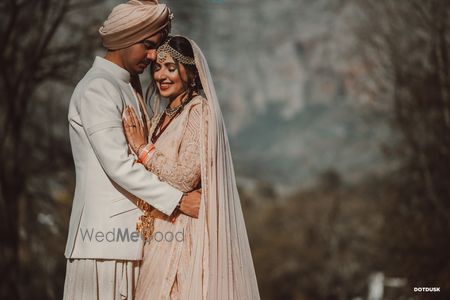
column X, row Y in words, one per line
column 149, row 45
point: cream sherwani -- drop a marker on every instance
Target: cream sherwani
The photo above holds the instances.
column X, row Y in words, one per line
column 102, row 245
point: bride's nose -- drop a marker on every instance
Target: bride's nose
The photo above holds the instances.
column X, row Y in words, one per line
column 160, row 76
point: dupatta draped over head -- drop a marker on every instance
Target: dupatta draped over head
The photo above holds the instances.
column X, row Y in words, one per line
column 221, row 251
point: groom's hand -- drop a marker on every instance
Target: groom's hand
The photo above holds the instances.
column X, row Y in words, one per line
column 190, row 203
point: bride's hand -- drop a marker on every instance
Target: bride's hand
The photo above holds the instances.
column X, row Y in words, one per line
column 134, row 129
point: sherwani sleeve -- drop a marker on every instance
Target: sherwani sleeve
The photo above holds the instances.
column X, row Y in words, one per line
column 100, row 111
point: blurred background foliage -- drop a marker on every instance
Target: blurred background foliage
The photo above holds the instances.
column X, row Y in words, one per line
column 338, row 113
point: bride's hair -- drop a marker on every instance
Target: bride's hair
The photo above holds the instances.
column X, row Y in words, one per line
column 183, row 46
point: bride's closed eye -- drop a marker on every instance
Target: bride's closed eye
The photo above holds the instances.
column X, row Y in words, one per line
column 156, row 67
column 171, row 67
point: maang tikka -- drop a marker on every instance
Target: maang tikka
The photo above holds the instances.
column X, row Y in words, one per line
column 165, row 49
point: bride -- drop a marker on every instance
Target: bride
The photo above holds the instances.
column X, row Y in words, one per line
column 188, row 147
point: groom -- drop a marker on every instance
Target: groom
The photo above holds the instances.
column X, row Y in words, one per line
column 103, row 249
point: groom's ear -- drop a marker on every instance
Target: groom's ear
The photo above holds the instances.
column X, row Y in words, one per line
column 165, row 32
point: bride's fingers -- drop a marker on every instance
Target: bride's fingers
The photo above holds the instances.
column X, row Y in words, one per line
column 126, row 129
column 130, row 122
column 130, row 115
column 125, row 119
column 135, row 118
column 127, row 116
column 130, row 111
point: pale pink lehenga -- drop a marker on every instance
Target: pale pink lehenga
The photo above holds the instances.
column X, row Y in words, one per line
column 213, row 260
column 177, row 161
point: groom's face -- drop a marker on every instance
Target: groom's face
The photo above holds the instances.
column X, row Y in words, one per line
column 138, row 56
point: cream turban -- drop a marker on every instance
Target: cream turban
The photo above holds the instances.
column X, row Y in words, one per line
column 132, row 22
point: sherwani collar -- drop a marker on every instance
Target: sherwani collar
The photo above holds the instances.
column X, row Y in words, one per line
column 124, row 75
column 112, row 68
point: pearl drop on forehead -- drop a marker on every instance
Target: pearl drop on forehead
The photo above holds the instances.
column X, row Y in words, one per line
column 161, row 56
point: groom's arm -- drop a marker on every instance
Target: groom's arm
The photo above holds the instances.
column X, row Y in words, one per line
column 100, row 111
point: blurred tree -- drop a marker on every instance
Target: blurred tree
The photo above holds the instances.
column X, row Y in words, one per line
column 43, row 43
column 406, row 52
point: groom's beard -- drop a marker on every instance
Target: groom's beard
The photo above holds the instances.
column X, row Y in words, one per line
column 146, row 61
column 140, row 67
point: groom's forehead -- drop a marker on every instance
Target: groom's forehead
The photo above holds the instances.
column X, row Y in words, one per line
column 154, row 40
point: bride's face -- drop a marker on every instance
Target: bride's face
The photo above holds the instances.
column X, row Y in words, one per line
column 170, row 77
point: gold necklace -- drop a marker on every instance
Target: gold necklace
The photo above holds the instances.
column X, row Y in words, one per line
column 170, row 112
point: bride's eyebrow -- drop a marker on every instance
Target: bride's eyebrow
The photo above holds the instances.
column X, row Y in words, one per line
column 169, row 64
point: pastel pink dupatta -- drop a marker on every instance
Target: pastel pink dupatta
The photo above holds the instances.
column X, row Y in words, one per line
column 221, row 252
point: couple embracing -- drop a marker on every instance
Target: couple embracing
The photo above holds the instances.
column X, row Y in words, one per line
column 140, row 173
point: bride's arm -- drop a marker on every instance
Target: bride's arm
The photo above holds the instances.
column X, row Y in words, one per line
column 183, row 172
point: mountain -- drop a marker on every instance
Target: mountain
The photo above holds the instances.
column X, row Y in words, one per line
column 321, row 137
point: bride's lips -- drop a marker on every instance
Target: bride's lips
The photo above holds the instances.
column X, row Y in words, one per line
column 164, row 86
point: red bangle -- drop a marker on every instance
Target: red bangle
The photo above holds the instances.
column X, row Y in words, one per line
column 143, row 152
